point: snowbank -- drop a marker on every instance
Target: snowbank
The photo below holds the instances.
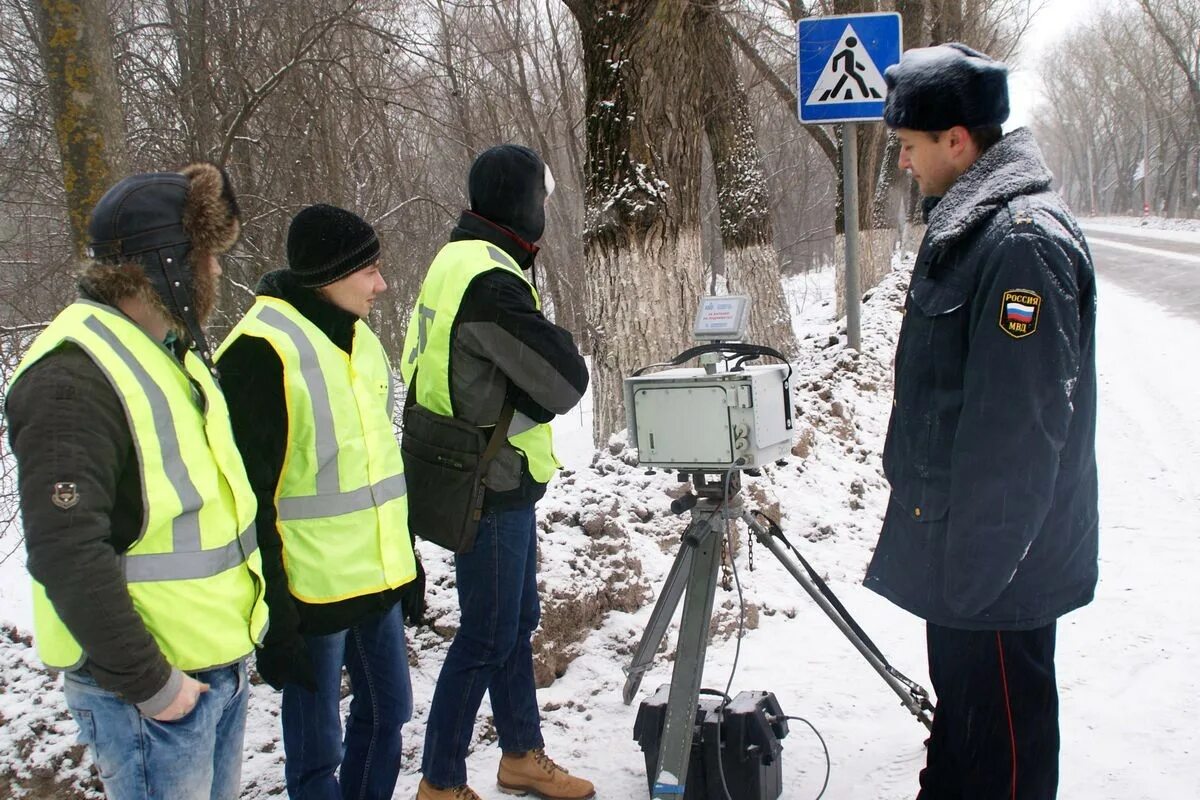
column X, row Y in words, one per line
column 1161, row 227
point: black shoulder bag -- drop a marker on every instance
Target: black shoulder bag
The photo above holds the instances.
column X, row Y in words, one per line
column 445, row 462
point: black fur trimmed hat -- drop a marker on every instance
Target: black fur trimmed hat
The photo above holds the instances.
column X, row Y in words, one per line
column 937, row 88
column 144, row 230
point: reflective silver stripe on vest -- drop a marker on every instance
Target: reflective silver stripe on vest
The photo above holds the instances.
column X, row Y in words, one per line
column 190, row 566
column 328, row 479
column 502, row 258
column 520, row 423
column 425, row 318
column 334, row 505
column 185, row 528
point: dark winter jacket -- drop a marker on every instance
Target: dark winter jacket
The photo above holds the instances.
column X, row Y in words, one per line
column 992, row 522
column 66, row 424
column 502, row 346
column 251, row 376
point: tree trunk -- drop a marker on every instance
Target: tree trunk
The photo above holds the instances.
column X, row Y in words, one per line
column 751, row 260
column 75, row 42
column 642, row 234
column 190, row 28
column 458, row 99
column 947, row 21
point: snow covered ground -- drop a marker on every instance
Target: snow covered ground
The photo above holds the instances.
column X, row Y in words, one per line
column 1126, row 664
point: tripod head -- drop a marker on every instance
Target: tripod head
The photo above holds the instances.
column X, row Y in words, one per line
column 716, row 487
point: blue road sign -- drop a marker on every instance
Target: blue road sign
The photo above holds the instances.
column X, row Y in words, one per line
column 840, row 63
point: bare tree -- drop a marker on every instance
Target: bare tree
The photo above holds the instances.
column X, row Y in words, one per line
column 764, row 29
column 1123, row 133
column 1177, row 24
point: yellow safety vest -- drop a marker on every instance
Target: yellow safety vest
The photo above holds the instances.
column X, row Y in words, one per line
column 194, row 574
column 427, row 343
column 341, row 506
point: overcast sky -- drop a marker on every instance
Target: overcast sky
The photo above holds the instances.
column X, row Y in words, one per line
column 1049, row 26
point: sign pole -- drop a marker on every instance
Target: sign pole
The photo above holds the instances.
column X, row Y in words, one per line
column 850, row 224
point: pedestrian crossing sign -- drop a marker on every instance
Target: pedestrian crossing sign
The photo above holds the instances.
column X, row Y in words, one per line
column 840, row 64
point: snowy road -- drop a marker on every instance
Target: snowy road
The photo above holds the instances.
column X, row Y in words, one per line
column 1160, row 266
column 1130, row 687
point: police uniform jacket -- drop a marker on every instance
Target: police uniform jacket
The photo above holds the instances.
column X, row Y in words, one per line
column 990, row 452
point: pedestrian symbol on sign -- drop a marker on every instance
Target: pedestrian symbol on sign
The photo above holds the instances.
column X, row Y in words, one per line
column 850, row 76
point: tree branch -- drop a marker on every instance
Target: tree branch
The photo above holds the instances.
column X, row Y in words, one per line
column 33, row 326
column 262, row 92
column 1177, row 54
column 782, row 90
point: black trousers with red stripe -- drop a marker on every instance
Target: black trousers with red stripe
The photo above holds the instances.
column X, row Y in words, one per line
column 995, row 729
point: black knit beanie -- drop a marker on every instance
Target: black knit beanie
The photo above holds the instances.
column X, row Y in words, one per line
column 937, row 88
column 507, row 185
column 327, row 243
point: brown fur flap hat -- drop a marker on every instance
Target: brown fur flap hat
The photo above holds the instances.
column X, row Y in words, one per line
column 157, row 221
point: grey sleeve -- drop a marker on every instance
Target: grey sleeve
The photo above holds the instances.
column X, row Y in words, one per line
column 499, row 322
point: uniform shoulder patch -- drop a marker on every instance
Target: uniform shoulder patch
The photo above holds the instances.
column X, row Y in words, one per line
column 65, row 495
column 1019, row 312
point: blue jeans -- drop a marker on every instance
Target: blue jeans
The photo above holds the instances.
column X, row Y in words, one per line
column 376, row 657
column 492, row 651
column 198, row 757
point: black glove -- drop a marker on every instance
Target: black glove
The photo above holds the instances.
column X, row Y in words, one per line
column 287, row 661
column 412, row 596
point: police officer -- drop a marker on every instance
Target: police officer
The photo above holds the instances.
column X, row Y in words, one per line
column 310, row 390
column 476, row 340
column 138, row 517
column 990, row 534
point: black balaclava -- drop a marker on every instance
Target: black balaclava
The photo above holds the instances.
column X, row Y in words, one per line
column 508, row 185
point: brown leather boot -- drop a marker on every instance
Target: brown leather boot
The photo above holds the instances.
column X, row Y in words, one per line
column 534, row 773
column 427, row 791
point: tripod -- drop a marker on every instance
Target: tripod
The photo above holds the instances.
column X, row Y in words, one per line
column 693, row 577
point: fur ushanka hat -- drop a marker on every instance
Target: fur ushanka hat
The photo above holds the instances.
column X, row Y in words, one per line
column 145, row 229
column 937, row 88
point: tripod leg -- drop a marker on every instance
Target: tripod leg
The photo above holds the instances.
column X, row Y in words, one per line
column 676, row 742
column 907, row 698
column 660, row 619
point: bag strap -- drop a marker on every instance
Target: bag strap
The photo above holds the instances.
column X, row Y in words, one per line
column 499, row 433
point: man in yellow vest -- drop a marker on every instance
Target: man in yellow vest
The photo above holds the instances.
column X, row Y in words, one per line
column 138, row 517
column 311, row 396
column 478, row 341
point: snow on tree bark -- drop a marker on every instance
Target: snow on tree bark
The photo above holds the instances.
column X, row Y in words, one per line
column 642, row 239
